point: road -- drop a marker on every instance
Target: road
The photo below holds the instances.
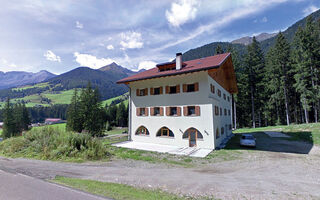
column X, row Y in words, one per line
column 14, row 186
column 276, row 169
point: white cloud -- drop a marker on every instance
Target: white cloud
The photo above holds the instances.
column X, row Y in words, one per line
column 131, row 40
column 91, row 61
column 79, row 25
column 110, row 47
column 146, row 65
column 182, row 12
column 310, row 10
column 264, row 19
column 51, row 56
column 7, row 66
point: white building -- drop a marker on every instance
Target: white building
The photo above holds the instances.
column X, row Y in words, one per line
column 183, row 104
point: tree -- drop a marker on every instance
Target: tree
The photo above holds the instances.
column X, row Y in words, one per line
column 254, row 62
column 92, row 113
column 121, row 116
column 219, row 50
column 74, row 119
column 8, row 120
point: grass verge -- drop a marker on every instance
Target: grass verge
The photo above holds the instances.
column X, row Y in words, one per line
column 119, row 191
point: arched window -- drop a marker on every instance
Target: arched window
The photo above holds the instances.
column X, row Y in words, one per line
column 142, row 131
column 217, row 133
column 222, row 131
column 165, row 132
column 189, row 131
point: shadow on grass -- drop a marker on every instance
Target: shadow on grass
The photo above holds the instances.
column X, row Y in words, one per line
column 299, row 142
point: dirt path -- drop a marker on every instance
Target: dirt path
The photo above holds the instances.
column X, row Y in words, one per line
column 261, row 175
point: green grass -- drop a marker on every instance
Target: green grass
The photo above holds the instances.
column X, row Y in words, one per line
column 63, row 97
column 39, row 85
column 108, row 101
column 118, row 191
column 116, row 131
column 299, row 132
column 0, row 132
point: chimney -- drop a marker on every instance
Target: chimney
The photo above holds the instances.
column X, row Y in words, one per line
column 178, row 61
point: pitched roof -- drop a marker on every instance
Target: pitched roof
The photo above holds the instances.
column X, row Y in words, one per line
column 190, row 66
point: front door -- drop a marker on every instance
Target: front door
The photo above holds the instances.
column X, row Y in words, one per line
column 192, row 138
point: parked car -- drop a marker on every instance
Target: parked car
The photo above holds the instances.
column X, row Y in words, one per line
column 248, row 140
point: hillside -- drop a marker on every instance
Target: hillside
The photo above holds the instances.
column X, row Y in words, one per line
column 248, row 40
column 19, row 78
column 59, row 89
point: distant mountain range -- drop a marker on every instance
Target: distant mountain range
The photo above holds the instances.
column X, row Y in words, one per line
column 19, row 78
column 248, row 40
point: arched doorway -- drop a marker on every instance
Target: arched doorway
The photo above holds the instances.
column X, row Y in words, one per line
column 192, row 135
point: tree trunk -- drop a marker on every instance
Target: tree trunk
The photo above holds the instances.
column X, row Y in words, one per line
column 286, row 104
column 305, row 112
column 259, row 119
column 252, row 109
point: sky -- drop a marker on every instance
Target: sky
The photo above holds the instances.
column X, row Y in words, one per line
column 59, row 36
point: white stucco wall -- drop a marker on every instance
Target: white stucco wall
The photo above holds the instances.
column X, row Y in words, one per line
column 205, row 123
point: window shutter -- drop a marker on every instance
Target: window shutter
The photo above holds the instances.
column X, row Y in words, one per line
column 137, row 92
column 185, row 110
column 178, row 88
column 152, row 111
column 161, row 90
column 167, row 89
column 197, row 108
column 179, row 111
column 161, row 111
column 184, row 87
column 196, row 87
column 151, row 91
column 168, row 111
column 146, row 110
column 138, row 111
column 146, row 91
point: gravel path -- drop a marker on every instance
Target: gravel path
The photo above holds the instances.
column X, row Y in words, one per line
column 259, row 175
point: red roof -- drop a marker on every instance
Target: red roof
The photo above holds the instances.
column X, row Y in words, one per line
column 190, row 66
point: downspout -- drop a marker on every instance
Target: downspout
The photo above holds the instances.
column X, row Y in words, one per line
column 129, row 117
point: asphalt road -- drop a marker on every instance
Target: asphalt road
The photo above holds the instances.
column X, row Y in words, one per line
column 15, row 186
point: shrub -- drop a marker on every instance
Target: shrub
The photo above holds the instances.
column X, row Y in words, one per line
column 55, row 144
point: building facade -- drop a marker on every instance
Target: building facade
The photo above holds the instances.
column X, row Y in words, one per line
column 183, row 104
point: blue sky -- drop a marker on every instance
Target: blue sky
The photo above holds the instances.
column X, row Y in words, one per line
column 61, row 35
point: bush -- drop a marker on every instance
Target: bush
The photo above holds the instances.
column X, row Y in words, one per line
column 55, row 144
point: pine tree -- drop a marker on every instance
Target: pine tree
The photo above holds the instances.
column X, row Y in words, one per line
column 255, row 69
column 74, row 118
column 219, row 50
column 121, row 115
column 9, row 126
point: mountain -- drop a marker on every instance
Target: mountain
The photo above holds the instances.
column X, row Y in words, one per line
column 113, row 67
column 59, row 89
column 209, row 49
column 248, row 40
column 19, row 78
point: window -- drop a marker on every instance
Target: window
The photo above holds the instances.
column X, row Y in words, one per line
column 228, row 99
column 220, row 111
column 156, row 91
column 142, row 92
column 217, row 133
column 222, row 131
column 212, row 87
column 173, row 111
column 190, row 88
column 191, row 110
column 142, row 131
column 225, row 112
column 165, row 132
column 173, row 89
column 157, row 111
column 142, row 111
column 216, row 110
column 190, row 131
column 229, row 112
column 224, row 96
column 219, row 93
